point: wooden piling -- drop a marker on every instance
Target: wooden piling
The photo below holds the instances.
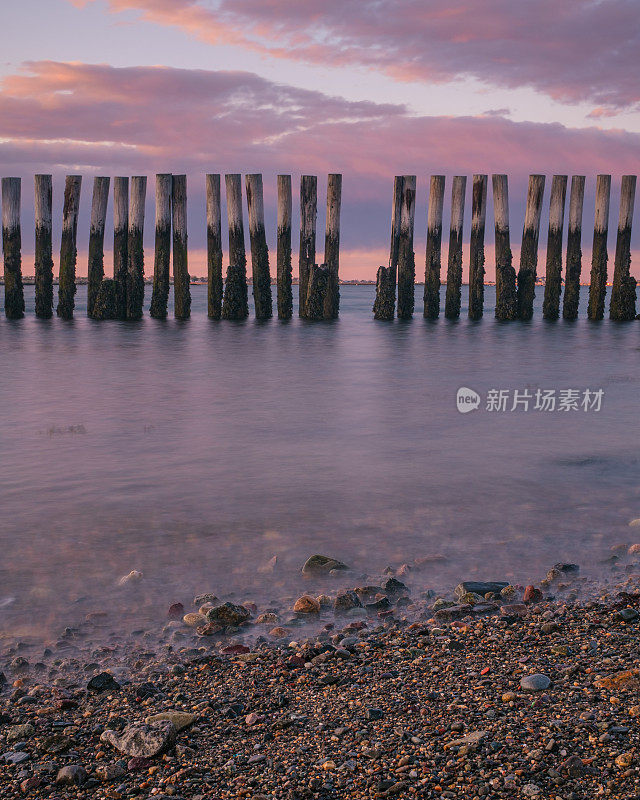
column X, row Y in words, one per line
column 215, row 287
column 259, row 251
column 406, row 256
column 553, row 272
column 433, row 265
column 307, row 255
column 283, row 274
column 235, row 303
column 43, row 246
column 573, row 267
column 181, row 279
column 135, row 248
column 384, row 307
column 12, row 248
column 623, row 293
column 600, row 257
column 68, row 252
column 317, row 288
column 99, row 202
column 506, row 296
column 332, row 246
column 120, row 243
column 476, row 251
column 106, row 302
column 162, row 255
column 529, row 252
column 454, row 266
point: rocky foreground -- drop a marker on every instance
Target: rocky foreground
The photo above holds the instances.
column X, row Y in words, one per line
column 379, row 690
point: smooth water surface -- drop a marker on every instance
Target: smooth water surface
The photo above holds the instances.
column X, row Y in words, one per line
column 196, row 451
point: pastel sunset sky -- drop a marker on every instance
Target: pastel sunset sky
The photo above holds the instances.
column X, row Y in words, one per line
column 369, row 88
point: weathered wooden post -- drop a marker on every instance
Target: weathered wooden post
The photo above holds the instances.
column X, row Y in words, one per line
column 181, row 279
column 600, row 257
column 215, row 287
column 283, row 274
column 135, row 247
column 235, row 304
column 506, row 297
column 332, row 246
column 318, row 283
column 43, row 251
column 384, row 307
column 433, row 265
column 95, row 272
column 259, row 251
column 307, row 255
column 120, row 243
column 623, row 292
column 12, row 248
column 406, row 256
column 553, row 272
column 476, row 251
column 162, row 256
column 529, row 251
column 573, row 267
column 454, row 266
column 68, row 252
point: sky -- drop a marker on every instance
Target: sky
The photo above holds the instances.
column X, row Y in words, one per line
column 368, row 88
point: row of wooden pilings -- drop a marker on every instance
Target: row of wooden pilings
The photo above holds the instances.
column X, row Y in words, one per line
column 122, row 296
column 514, row 293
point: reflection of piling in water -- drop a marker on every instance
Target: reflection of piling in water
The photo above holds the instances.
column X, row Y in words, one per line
column 476, row 248
column 95, row 270
column 332, row 246
column 12, row 248
column 215, row 288
column 406, row 255
column 553, row 272
column 599, row 258
column 384, row 307
column 43, row 246
column 307, row 255
column 623, row 292
column 433, row 260
column 135, row 248
column 235, row 304
column 529, row 251
column 259, row 251
column 506, row 297
column 454, row 266
column 181, row 279
column 68, row 252
column 574, row 250
column 283, row 268
column 120, row 243
column 162, row 249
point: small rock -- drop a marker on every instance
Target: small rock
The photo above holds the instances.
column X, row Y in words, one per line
column 179, row 719
column 72, row 775
column 532, row 595
column 194, row 620
column 201, row 599
column 346, row 601
column 306, row 605
column 531, row 790
column 628, row 614
column 535, row 683
column 176, row 610
column 322, row 565
column 228, row 614
column 132, row 578
column 18, row 733
column 103, row 682
column 480, row 587
column 142, row 741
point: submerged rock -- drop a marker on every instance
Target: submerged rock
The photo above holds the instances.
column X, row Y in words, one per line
column 480, row 587
column 306, row 605
column 228, row 614
column 322, row 565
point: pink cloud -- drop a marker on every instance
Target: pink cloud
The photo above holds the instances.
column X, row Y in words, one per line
column 571, row 50
column 100, row 119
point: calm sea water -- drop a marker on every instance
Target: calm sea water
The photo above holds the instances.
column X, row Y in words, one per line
column 197, row 451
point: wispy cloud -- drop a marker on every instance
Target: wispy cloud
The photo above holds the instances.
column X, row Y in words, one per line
column 571, row 50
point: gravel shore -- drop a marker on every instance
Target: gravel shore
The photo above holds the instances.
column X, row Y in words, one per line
column 377, row 689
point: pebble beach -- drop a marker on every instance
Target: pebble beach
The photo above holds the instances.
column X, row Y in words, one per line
column 357, row 688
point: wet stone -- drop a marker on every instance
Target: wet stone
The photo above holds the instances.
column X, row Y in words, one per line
column 535, row 683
